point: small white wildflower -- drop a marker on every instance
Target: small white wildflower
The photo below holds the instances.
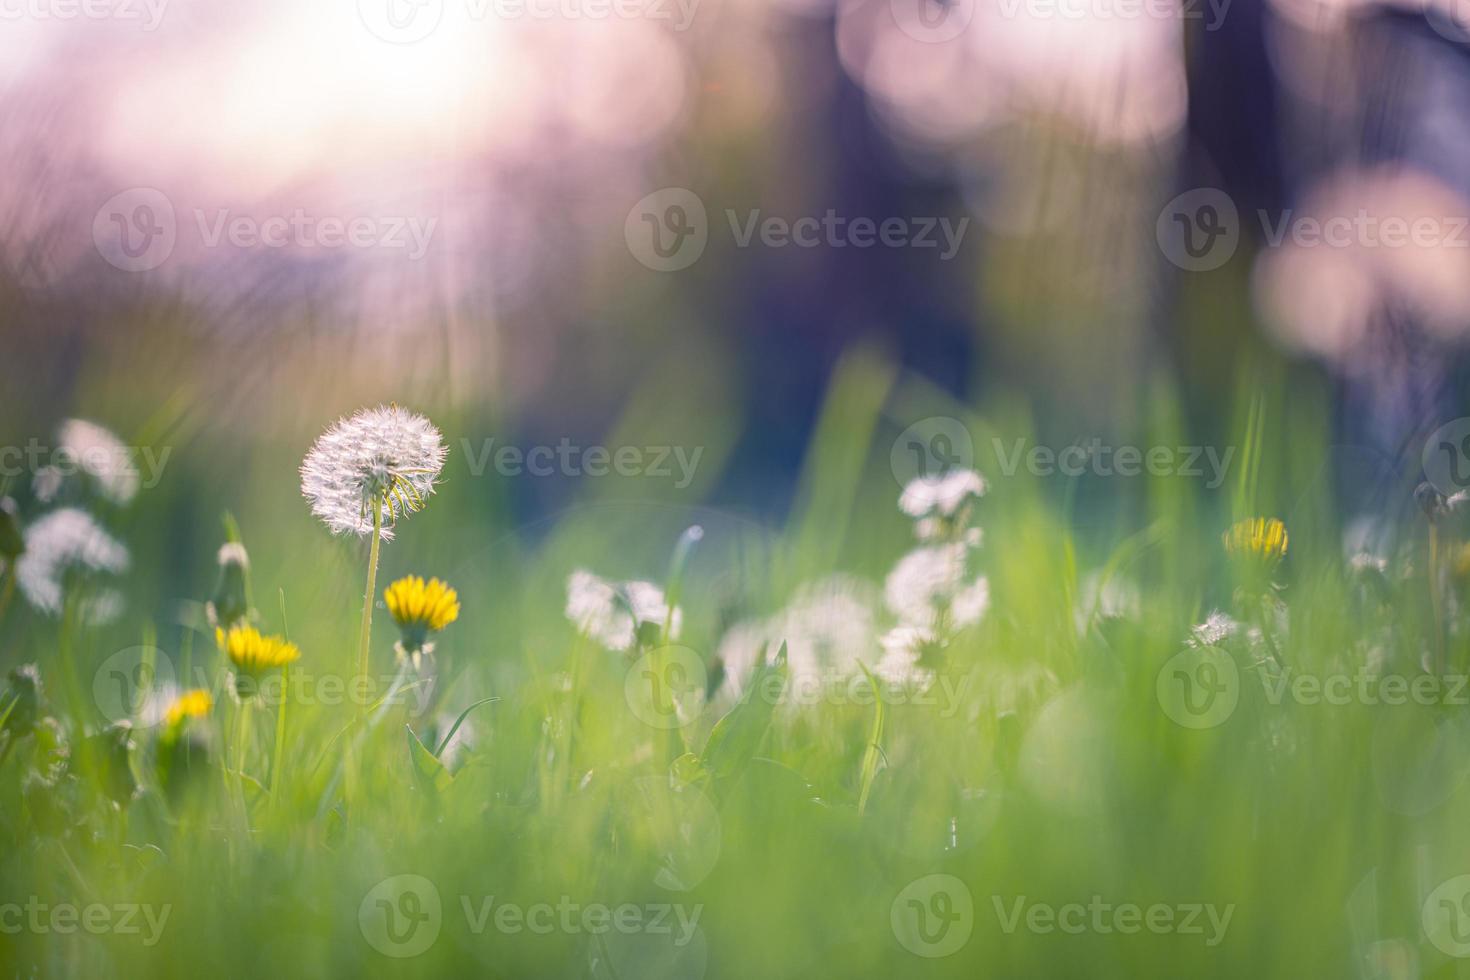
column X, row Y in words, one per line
column 69, row 542
column 385, row 455
column 1215, row 630
column 102, row 456
column 929, row 579
column 942, row 495
column 610, row 613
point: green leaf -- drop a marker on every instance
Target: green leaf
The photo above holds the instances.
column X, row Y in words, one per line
column 688, row 770
column 431, row 772
column 460, row 721
column 737, row 737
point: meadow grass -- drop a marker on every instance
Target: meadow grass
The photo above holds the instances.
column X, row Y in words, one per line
column 1047, row 764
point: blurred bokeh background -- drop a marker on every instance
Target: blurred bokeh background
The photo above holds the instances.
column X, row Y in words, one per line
column 498, row 173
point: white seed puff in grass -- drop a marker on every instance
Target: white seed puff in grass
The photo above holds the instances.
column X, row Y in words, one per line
column 384, row 457
column 62, row 547
column 617, row 615
column 102, row 457
column 933, row 583
column 941, row 495
column 828, row 629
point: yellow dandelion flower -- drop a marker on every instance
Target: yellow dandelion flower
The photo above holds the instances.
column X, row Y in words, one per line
column 1259, row 540
column 254, row 655
column 191, row 704
column 420, row 608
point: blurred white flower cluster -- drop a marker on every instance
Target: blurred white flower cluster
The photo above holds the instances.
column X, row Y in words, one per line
column 619, row 615
column 831, row 628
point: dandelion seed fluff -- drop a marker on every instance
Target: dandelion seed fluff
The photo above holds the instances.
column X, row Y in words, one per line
column 387, row 454
column 903, row 648
column 942, row 495
column 102, row 456
column 1215, row 630
column 827, row 629
column 970, row 604
column 930, row 578
column 609, row 613
column 69, row 541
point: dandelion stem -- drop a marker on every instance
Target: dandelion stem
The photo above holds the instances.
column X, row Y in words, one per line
column 279, row 755
column 365, row 633
column 244, row 738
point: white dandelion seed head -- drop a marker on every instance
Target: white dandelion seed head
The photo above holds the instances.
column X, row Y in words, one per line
column 903, row 647
column 69, row 542
column 932, row 578
column 609, row 613
column 827, row 628
column 385, row 453
column 925, row 496
column 102, row 456
column 740, row 650
column 1215, row 630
